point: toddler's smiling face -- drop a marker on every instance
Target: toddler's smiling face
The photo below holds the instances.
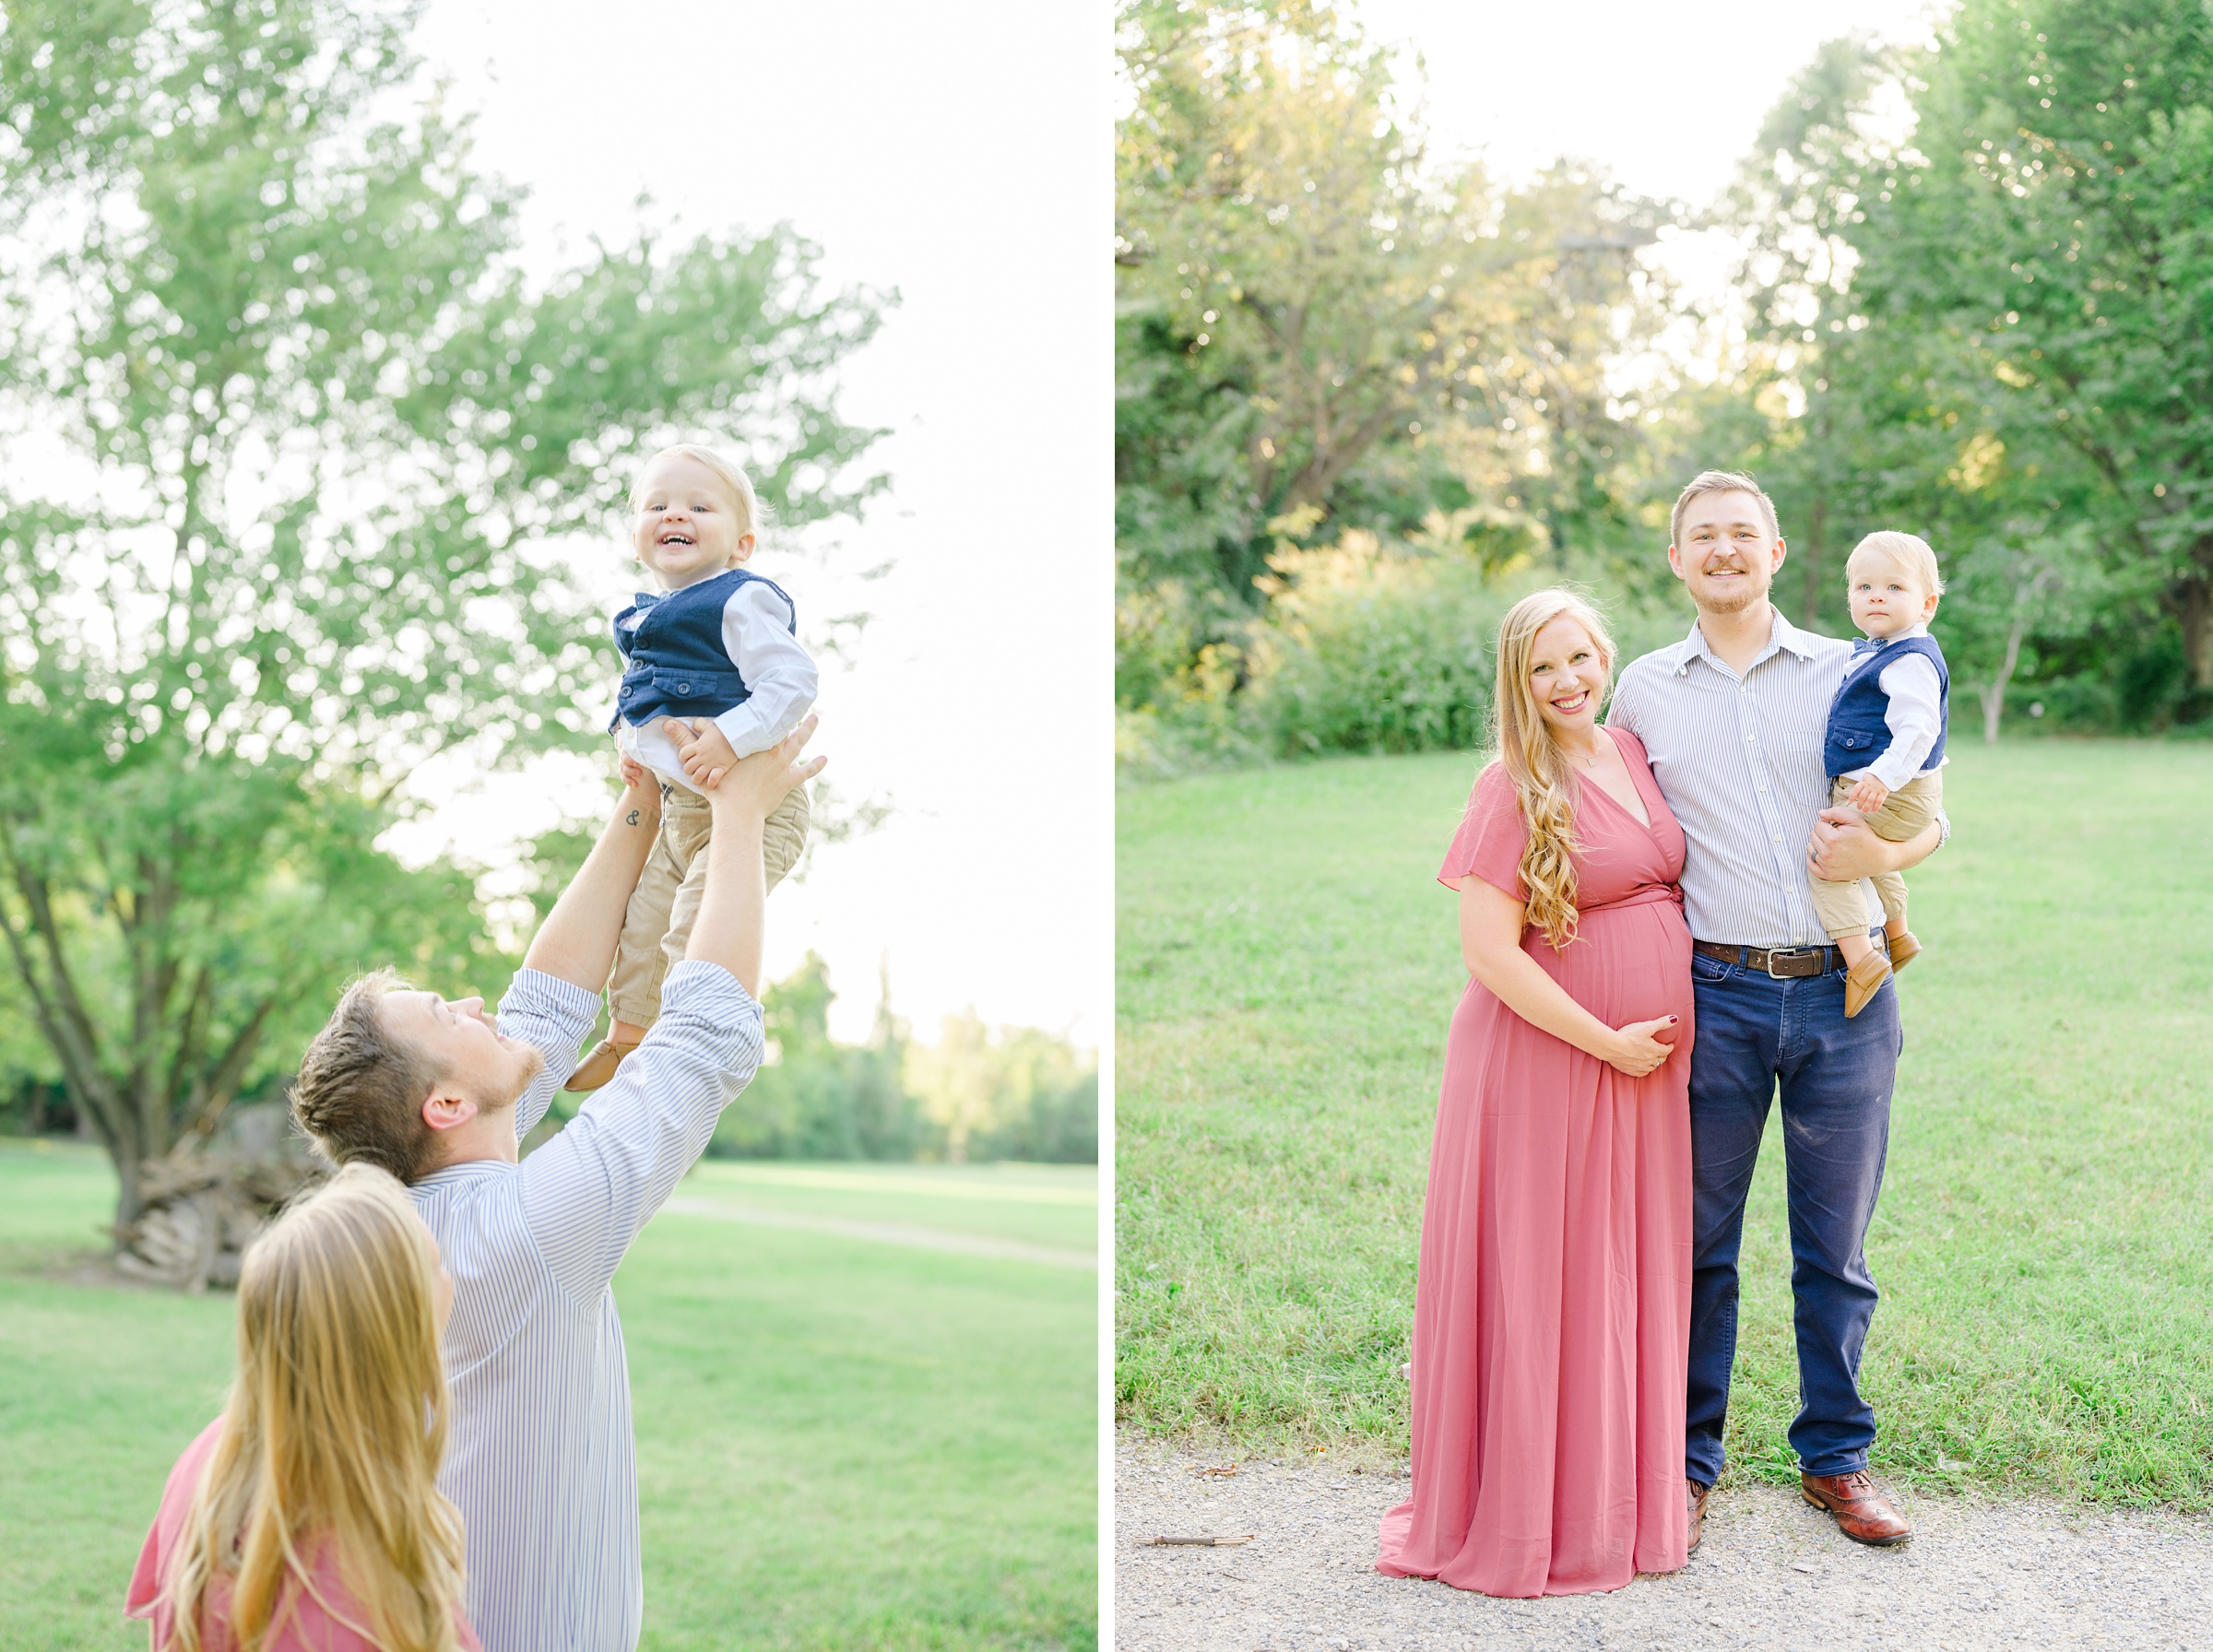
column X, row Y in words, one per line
column 690, row 524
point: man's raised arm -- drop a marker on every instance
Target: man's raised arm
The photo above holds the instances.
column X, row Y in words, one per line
column 576, row 942
column 588, row 1191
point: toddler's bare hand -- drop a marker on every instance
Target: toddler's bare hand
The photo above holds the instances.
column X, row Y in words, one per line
column 1869, row 795
column 703, row 749
column 635, row 774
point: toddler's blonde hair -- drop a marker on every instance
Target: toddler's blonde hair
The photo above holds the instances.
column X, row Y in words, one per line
column 1909, row 551
column 739, row 484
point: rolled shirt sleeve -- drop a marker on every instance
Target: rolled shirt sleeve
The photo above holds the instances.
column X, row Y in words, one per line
column 588, row 1192
column 780, row 676
column 1914, row 714
column 553, row 1015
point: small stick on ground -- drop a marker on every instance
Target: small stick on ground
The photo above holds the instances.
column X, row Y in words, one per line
column 1218, row 1542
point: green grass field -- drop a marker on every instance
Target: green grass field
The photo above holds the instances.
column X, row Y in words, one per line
column 842, row 1441
column 2044, row 1244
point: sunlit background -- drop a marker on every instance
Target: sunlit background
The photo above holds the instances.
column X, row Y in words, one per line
column 971, row 702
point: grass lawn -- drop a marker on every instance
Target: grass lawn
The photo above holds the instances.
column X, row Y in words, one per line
column 2044, row 1242
column 842, row 1443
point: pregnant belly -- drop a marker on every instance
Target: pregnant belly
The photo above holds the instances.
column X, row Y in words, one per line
column 1629, row 963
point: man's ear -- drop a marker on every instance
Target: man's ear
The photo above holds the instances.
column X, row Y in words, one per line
column 1782, row 551
column 442, row 1111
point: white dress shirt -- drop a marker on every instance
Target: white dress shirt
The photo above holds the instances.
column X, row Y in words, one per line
column 780, row 674
column 541, row 1461
column 1914, row 714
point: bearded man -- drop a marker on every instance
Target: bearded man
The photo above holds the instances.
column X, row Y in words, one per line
column 440, row 1094
column 1733, row 719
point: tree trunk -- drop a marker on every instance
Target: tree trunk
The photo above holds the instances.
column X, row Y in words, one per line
column 1994, row 692
column 1817, row 544
column 2193, row 600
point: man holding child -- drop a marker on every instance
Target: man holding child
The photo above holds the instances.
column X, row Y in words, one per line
column 1746, row 698
column 440, row 1094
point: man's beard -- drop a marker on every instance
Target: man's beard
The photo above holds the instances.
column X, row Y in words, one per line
column 1734, row 602
column 531, row 1064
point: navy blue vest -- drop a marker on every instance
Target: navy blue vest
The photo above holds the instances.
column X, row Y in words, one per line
column 1857, row 734
column 677, row 665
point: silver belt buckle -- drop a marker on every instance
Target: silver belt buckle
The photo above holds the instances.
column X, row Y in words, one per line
column 1792, row 954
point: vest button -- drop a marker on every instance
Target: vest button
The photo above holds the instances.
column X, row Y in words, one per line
column 683, row 688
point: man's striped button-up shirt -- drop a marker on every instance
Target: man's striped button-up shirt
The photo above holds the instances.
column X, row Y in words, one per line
column 1738, row 759
column 540, row 1459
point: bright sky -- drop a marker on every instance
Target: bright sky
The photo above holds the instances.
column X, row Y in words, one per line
column 1668, row 97
column 959, row 154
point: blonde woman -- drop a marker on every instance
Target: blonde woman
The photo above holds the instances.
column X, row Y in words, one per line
column 1552, row 1311
column 306, row 1517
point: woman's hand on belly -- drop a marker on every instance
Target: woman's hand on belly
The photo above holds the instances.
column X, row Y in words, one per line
column 1641, row 1045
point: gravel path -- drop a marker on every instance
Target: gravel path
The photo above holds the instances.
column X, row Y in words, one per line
column 1773, row 1573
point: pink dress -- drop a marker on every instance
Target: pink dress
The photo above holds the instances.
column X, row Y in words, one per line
column 1552, row 1310
column 301, row 1624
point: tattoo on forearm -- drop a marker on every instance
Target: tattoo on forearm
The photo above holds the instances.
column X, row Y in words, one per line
column 631, row 818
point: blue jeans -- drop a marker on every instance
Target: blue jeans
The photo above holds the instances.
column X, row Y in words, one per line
column 1836, row 1076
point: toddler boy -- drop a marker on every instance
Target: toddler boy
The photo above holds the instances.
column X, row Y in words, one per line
column 713, row 672
column 1885, row 747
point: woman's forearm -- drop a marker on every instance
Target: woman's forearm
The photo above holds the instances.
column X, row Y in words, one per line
column 1518, row 983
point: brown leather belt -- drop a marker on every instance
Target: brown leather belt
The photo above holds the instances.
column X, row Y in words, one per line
column 1784, row 963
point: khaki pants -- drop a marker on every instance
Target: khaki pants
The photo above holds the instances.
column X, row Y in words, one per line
column 1906, row 813
column 658, row 925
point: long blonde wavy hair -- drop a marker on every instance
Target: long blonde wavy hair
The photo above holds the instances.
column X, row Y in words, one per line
column 334, row 1431
column 1533, row 761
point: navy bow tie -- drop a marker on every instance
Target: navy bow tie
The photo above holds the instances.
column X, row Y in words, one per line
column 645, row 599
column 1869, row 644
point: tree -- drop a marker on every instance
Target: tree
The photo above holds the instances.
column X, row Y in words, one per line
column 2052, row 232
column 819, row 1099
column 1320, row 326
column 318, row 428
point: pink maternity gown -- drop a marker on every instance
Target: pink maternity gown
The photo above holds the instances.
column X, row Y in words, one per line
column 1552, row 1309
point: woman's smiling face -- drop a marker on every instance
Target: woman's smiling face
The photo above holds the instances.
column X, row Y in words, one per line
column 1567, row 675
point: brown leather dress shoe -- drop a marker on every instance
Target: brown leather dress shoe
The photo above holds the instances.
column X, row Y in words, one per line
column 1863, row 1514
column 1903, row 950
column 1863, row 981
column 1696, row 1494
column 599, row 1066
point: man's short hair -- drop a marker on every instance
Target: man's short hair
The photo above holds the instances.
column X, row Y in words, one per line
column 359, row 1093
column 1721, row 481
column 1909, row 551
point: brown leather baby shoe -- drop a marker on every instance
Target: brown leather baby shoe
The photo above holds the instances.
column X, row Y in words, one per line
column 599, row 1066
column 1863, row 981
column 1904, row 949
column 1863, row 1514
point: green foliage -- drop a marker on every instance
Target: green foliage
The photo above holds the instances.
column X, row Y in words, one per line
column 1996, row 333
column 317, row 427
column 818, row 1099
column 1286, row 972
column 1007, row 1091
column 1324, row 331
column 980, row 1094
column 1975, row 302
